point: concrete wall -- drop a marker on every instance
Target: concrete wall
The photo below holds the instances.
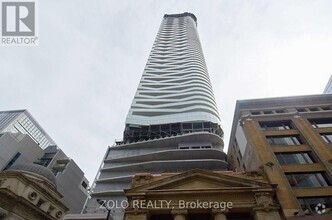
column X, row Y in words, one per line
column 69, row 180
column 12, row 143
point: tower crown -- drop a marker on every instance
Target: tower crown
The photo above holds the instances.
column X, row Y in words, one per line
column 181, row 15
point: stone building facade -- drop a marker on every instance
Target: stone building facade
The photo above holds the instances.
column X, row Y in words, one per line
column 203, row 195
column 289, row 138
column 29, row 192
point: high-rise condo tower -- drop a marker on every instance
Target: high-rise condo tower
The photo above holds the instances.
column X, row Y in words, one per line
column 173, row 123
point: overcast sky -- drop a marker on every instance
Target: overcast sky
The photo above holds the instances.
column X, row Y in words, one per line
column 80, row 81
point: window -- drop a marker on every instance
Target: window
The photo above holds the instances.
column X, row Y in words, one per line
column 43, row 162
column 301, row 109
column 194, row 147
column 275, row 125
column 295, row 158
column 321, row 122
column 279, row 111
column 206, row 147
column 313, row 109
column 283, row 140
column 327, row 137
column 187, row 126
column 198, row 126
column 267, row 112
column 308, row 180
column 183, row 148
column 309, row 204
column 84, row 184
column 327, row 108
column 40, row 203
column 12, row 161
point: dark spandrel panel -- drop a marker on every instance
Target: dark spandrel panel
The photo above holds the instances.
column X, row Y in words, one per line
column 143, row 133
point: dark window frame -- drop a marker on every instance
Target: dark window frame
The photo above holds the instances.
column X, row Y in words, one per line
column 295, row 139
column 274, row 125
column 327, row 137
column 12, row 161
column 320, row 122
column 296, row 176
column 283, row 160
column 306, row 204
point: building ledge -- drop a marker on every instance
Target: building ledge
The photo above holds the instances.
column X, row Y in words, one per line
column 174, row 140
column 293, row 148
column 211, row 153
column 302, row 168
column 109, row 192
column 313, row 191
column 179, row 165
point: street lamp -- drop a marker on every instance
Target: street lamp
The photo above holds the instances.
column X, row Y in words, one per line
column 103, row 203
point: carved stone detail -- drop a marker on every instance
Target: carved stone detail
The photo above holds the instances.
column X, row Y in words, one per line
column 265, row 202
column 32, row 196
column 258, row 172
column 58, row 214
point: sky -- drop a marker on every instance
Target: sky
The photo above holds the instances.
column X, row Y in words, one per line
column 81, row 79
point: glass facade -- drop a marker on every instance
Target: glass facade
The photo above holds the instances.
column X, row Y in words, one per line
column 6, row 118
column 321, row 122
column 275, row 125
column 283, row 140
column 12, row 161
column 328, row 88
column 295, row 158
column 327, row 137
column 308, row 180
column 175, row 86
column 22, row 121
